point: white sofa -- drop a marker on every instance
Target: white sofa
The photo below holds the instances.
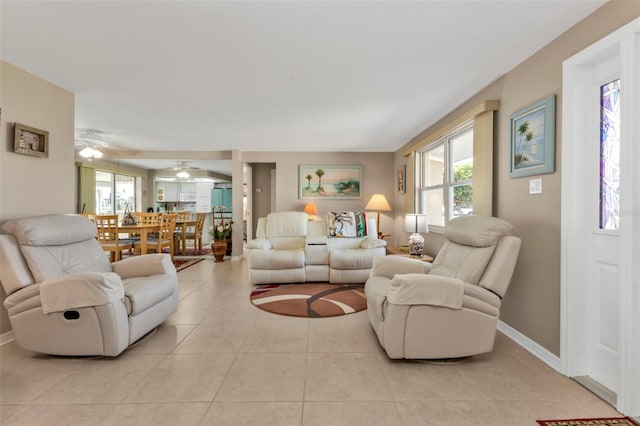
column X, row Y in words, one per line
column 291, row 249
column 66, row 298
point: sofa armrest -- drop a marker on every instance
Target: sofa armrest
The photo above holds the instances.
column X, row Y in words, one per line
column 144, row 266
column 80, row 290
column 259, row 244
column 388, row 266
column 425, row 289
column 370, row 243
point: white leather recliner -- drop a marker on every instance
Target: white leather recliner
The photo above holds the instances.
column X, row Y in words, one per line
column 65, row 298
column 291, row 249
column 450, row 308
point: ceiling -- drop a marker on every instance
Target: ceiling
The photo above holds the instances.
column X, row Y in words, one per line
column 273, row 75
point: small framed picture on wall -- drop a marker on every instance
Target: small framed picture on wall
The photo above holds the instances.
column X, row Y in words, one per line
column 401, row 179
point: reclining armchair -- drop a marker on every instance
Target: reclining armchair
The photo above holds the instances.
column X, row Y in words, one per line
column 450, row 308
column 65, row 298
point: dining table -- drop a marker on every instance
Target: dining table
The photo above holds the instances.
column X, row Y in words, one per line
column 143, row 229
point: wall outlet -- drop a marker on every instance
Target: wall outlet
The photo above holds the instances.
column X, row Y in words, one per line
column 535, row 186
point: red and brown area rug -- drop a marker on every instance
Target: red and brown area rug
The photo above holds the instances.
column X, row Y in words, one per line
column 611, row 421
column 310, row 300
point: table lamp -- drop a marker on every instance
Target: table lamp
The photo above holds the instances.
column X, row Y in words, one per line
column 311, row 210
column 416, row 223
column 378, row 203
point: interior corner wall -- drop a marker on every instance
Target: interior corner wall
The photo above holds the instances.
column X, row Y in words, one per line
column 532, row 302
column 30, row 185
column 376, row 178
column 261, row 196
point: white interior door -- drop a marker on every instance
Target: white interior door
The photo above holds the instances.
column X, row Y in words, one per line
column 603, row 226
column 600, row 295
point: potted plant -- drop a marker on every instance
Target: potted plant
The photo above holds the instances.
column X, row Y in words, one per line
column 221, row 234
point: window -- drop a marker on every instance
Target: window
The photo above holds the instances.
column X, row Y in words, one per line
column 114, row 193
column 610, row 155
column 444, row 172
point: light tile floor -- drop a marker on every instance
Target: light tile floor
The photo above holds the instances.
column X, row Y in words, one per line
column 221, row 361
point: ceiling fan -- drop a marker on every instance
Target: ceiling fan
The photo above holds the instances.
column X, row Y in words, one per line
column 182, row 169
column 92, row 143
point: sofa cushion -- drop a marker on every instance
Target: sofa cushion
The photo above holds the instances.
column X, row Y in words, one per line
column 142, row 293
column 463, row 262
column 48, row 262
column 286, row 224
column 58, row 245
column 276, row 259
column 353, row 258
column 51, row 230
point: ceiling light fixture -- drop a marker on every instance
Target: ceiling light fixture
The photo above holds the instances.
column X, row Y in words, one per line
column 90, row 153
column 182, row 174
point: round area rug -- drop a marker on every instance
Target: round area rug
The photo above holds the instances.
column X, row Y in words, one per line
column 310, row 300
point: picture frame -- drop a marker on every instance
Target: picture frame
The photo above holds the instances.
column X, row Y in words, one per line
column 401, row 179
column 533, row 139
column 30, row 141
column 329, row 182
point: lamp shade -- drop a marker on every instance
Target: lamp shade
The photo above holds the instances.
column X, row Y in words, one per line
column 415, row 223
column 310, row 209
column 379, row 203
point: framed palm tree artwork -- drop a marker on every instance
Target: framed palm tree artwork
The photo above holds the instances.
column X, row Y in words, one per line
column 324, row 181
column 533, row 139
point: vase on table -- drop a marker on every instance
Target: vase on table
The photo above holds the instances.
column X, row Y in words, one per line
column 219, row 248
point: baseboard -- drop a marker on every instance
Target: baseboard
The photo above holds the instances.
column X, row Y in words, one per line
column 535, row 349
column 7, row 337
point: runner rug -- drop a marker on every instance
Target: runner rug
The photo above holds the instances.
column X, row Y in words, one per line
column 310, row 300
column 612, row 421
column 181, row 264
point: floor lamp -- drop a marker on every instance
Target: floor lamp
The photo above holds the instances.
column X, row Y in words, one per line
column 378, row 203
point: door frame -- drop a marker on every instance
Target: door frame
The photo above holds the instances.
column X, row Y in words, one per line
column 624, row 45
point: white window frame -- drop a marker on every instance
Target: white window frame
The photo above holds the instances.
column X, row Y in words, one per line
column 448, row 184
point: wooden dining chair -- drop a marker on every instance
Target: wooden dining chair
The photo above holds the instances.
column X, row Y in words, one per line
column 196, row 234
column 108, row 236
column 164, row 238
column 182, row 216
column 146, row 218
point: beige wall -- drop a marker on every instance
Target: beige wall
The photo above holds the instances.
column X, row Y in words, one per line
column 377, row 177
column 532, row 304
column 31, row 185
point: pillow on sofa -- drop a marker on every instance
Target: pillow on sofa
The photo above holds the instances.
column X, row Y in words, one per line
column 346, row 224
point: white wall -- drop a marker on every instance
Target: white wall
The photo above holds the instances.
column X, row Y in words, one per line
column 29, row 185
column 378, row 176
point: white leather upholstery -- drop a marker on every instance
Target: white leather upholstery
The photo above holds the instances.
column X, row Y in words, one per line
column 287, row 241
column 448, row 309
column 65, row 298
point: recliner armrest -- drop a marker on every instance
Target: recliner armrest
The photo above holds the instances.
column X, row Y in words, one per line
column 259, row 244
column 80, row 290
column 425, row 289
column 144, row 266
column 388, row 266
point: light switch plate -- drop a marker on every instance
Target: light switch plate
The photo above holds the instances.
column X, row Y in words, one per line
column 535, row 186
